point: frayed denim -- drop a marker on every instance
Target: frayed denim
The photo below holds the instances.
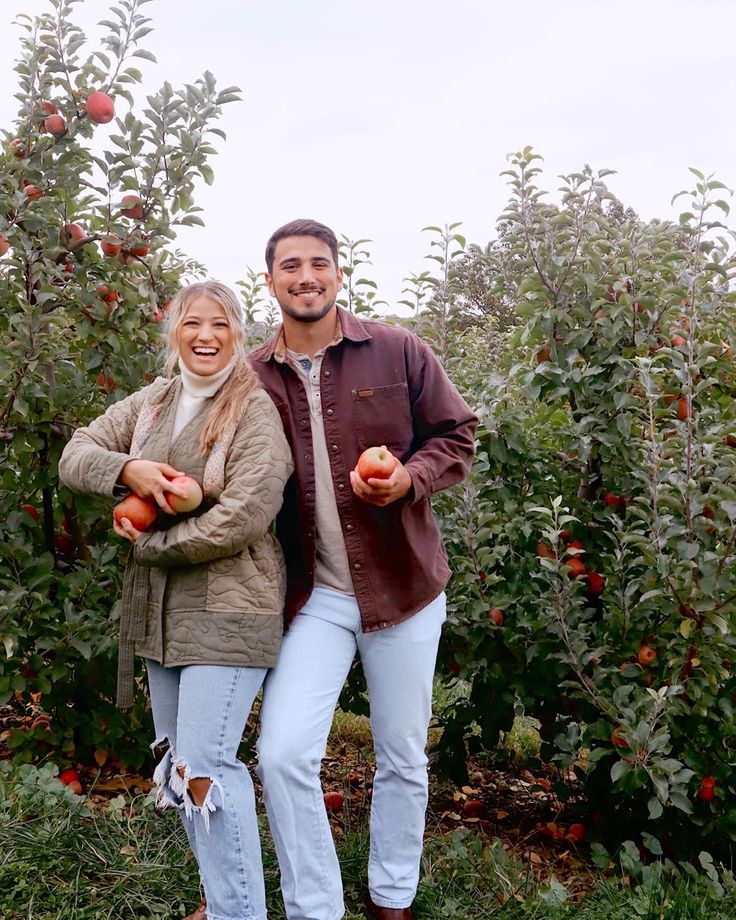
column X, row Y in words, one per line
column 201, row 711
column 299, row 699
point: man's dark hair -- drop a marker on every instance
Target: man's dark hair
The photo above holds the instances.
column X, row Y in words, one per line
column 302, row 227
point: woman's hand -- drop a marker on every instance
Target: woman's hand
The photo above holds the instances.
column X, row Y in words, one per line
column 149, row 479
column 126, row 530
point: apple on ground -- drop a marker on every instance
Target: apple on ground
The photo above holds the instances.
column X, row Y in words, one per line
column 473, row 808
column 4, row 245
column 575, row 833
column 100, row 107
column 193, row 497
column 376, row 463
column 66, row 777
column 141, row 512
column 333, row 801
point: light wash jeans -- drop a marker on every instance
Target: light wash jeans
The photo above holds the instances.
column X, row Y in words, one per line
column 202, row 710
column 299, row 699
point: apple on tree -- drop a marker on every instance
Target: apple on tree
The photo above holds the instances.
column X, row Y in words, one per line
column 376, row 463
column 100, row 107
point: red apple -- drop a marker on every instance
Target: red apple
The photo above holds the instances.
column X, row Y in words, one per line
column 111, row 245
column 100, row 107
column 76, row 787
column 496, row 616
column 42, row 722
column 69, row 776
column 105, row 383
column 684, row 410
column 617, row 738
column 106, row 294
column 473, row 808
column 141, row 512
column 576, row 567
column 543, row 354
column 71, row 236
column 646, row 655
column 139, row 248
column 33, row 192
column 4, row 245
column 55, row 125
column 132, row 207
column 545, row 551
column 30, row 509
column 376, row 463
column 333, row 801
column 575, row 833
column 48, row 107
column 193, row 498
column 678, row 341
column 707, row 791
column 596, row 583
column 19, row 150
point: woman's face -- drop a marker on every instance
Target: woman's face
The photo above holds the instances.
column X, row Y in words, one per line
column 205, row 337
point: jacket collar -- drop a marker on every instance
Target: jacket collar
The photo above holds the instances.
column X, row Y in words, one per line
column 352, row 328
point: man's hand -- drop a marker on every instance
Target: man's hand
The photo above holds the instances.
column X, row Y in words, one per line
column 382, row 492
column 126, row 530
column 149, row 479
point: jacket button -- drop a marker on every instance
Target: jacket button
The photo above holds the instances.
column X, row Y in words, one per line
column 335, row 447
column 307, row 456
column 341, row 486
column 303, row 422
column 330, row 412
column 348, row 527
column 308, row 495
column 328, row 373
column 356, row 566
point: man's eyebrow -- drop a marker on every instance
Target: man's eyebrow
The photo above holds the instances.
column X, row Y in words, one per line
column 289, row 259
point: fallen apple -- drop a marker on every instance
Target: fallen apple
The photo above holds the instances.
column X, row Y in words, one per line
column 376, row 463
column 69, row 776
column 333, row 801
column 192, row 499
column 4, row 245
column 141, row 512
column 473, row 808
column 575, row 833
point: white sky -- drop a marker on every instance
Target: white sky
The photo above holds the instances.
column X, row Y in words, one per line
column 380, row 117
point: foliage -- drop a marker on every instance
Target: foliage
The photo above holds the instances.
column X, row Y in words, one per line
column 601, row 513
column 79, row 330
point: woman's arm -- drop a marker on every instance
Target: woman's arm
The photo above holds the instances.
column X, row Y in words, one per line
column 256, row 472
column 93, row 459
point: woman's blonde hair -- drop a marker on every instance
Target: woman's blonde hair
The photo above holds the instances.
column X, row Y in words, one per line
column 233, row 396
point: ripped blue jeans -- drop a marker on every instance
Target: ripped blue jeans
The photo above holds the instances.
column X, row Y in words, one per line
column 201, row 711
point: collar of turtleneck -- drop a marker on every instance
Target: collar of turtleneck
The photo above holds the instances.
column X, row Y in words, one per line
column 204, row 385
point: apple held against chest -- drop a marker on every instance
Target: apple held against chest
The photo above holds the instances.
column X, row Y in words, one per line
column 376, row 463
column 143, row 512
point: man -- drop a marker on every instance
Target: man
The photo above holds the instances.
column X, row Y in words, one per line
column 365, row 569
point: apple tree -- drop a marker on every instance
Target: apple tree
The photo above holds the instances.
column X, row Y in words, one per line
column 601, row 514
column 93, row 185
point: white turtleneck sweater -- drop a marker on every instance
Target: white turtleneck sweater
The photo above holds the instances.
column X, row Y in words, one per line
column 196, row 388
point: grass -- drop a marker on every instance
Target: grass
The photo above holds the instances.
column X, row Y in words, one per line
column 61, row 861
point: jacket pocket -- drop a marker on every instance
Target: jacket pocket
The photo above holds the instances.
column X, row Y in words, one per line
column 382, row 415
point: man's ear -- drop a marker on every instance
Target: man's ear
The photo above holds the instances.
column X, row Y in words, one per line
column 269, row 283
column 339, row 277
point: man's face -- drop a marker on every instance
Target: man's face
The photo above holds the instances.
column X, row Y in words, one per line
column 304, row 278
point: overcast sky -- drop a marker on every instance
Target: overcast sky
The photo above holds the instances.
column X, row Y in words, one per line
column 381, row 117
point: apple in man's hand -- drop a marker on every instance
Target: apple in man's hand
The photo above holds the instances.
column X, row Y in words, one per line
column 376, row 463
column 193, row 497
column 141, row 512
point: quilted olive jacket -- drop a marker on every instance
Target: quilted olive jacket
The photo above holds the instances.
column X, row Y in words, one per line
column 207, row 588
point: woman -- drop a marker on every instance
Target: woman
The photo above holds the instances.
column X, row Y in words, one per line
column 203, row 594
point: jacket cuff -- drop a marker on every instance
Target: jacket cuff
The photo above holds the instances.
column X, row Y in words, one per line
column 420, row 486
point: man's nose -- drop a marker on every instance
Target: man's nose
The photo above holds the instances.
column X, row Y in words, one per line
column 305, row 275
